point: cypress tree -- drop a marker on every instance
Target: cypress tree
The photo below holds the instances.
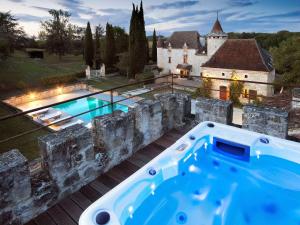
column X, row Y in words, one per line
column 110, row 51
column 132, row 43
column 98, row 59
column 88, row 46
column 154, row 47
column 144, row 41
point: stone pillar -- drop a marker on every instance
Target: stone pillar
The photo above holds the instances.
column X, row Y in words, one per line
column 70, row 158
column 214, row 110
column 148, row 122
column 175, row 107
column 266, row 120
column 15, row 187
column 114, row 136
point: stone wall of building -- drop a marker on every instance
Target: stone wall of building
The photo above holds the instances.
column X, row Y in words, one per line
column 213, row 110
column 266, row 120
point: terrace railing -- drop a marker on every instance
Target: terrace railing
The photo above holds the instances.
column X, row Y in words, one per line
column 170, row 84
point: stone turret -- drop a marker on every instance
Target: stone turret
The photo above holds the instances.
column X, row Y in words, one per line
column 216, row 38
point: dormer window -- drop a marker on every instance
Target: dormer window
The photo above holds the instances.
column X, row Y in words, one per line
column 170, row 60
column 169, row 47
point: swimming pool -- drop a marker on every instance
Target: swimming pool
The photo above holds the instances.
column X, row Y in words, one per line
column 215, row 174
column 85, row 104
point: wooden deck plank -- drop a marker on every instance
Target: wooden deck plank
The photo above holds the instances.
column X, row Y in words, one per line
column 108, row 181
column 99, row 186
column 44, row 219
column 73, row 210
column 59, row 216
column 164, row 142
column 136, row 161
column 90, row 193
column 32, row 222
column 81, row 200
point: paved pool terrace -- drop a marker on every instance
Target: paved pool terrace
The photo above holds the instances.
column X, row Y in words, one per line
column 75, row 94
column 64, row 111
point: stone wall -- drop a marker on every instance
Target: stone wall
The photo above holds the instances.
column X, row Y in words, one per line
column 70, row 158
column 19, row 100
column 23, row 196
column 75, row 156
column 213, row 110
column 266, row 120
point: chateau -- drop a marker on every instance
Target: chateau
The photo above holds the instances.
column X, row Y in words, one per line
column 188, row 54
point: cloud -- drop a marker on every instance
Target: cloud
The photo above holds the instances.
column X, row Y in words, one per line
column 177, row 4
column 242, row 3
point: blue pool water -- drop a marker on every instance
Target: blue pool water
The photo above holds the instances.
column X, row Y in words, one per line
column 82, row 105
column 212, row 189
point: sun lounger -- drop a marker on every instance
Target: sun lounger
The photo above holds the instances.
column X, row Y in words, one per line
column 39, row 112
column 50, row 116
column 62, row 120
column 72, row 123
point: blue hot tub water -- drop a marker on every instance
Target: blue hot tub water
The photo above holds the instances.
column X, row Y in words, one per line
column 210, row 181
column 85, row 104
column 212, row 190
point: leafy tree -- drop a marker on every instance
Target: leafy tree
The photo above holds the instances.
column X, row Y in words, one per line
column 205, row 89
column 154, row 47
column 88, row 46
column 98, row 58
column 110, row 50
column 10, row 33
column 123, row 64
column 235, row 91
column 286, row 59
column 121, row 39
column 57, row 32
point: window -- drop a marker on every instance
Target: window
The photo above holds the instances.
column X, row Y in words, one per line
column 170, row 60
column 246, row 76
column 223, row 74
column 252, row 94
column 185, row 59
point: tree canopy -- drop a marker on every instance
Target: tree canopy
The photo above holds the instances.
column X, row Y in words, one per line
column 138, row 43
column 58, row 31
column 286, row 59
column 88, row 46
column 154, row 47
column 98, row 58
column 10, row 32
column 110, row 47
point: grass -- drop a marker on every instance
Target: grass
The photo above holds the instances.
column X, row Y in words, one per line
column 28, row 144
column 19, row 71
column 112, row 82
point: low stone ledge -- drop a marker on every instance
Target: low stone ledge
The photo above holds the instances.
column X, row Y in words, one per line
column 215, row 110
column 266, row 120
column 175, row 107
column 69, row 156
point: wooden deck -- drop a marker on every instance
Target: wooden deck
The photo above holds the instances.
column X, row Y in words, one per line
column 68, row 211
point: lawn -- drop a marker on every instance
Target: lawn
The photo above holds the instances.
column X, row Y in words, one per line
column 19, row 71
column 27, row 144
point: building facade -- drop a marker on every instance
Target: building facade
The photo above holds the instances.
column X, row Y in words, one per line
column 188, row 54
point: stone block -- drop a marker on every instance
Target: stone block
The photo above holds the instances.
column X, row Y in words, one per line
column 266, row 120
column 213, row 110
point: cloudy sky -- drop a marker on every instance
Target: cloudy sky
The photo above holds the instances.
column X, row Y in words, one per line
column 166, row 15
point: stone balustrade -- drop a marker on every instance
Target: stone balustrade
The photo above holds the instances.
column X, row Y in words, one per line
column 75, row 156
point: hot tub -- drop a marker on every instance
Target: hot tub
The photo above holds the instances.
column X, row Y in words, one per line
column 215, row 174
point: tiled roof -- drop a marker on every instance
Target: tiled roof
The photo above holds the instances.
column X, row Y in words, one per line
column 243, row 54
column 217, row 29
column 179, row 38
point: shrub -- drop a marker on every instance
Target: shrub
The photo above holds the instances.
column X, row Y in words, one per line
column 204, row 90
column 62, row 79
column 236, row 89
